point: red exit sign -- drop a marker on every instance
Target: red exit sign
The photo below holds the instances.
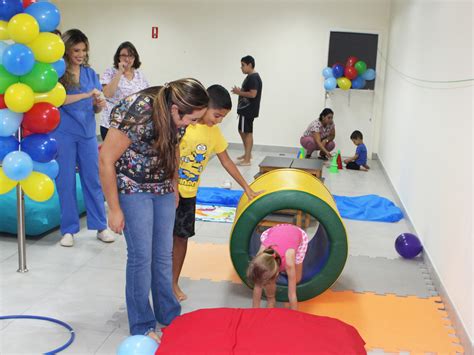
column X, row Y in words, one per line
column 154, row 32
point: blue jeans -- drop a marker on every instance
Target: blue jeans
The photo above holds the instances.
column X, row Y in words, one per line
column 149, row 221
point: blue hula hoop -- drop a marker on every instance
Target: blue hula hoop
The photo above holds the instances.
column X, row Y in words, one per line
column 47, row 319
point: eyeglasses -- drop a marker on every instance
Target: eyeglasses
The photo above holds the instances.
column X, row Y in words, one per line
column 127, row 56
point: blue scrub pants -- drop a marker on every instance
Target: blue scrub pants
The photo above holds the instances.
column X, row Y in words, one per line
column 75, row 150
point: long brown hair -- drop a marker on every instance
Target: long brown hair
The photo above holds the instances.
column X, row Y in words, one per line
column 70, row 39
column 189, row 95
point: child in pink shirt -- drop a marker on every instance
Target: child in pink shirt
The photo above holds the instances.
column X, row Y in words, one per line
column 283, row 250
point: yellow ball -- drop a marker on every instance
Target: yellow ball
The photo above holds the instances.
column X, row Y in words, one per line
column 55, row 97
column 19, row 97
column 39, row 187
column 23, row 28
column 4, row 31
column 6, row 184
column 47, row 47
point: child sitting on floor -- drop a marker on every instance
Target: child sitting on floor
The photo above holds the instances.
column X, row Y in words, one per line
column 359, row 160
column 283, row 250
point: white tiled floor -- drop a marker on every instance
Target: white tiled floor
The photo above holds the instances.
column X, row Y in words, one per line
column 84, row 285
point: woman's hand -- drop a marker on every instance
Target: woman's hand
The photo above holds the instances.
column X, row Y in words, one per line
column 116, row 221
column 121, row 67
column 93, row 93
column 99, row 101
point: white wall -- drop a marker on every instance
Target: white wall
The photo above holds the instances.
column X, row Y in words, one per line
column 206, row 39
column 426, row 135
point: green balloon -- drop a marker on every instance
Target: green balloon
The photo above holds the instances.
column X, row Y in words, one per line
column 361, row 67
column 6, row 79
column 42, row 78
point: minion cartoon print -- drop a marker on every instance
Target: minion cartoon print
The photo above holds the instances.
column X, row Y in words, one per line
column 191, row 165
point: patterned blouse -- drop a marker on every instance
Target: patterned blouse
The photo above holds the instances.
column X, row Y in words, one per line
column 125, row 88
column 137, row 169
column 317, row 126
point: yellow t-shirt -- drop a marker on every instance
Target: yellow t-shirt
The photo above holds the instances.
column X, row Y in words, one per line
column 197, row 146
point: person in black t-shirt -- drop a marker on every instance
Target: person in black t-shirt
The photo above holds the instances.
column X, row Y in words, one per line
column 248, row 105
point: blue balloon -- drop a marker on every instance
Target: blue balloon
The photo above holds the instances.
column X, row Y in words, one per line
column 7, row 145
column 138, row 345
column 338, row 70
column 330, row 84
column 358, row 83
column 9, row 122
column 327, row 73
column 17, row 165
column 408, row 245
column 50, row 168
column 18, row 59
column 369, row 74
column 60, row 67
column 9, row 8
column 3, row 46
column 41, row 147
column 46, row 14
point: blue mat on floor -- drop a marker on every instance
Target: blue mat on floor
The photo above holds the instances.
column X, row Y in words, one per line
column 368, row 208
column 40, row 217
column 364, row 208
column 216, row 196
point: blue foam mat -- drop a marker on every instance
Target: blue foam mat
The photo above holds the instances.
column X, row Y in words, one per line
column 364, row 208
column 368, row 208
column 40, row 217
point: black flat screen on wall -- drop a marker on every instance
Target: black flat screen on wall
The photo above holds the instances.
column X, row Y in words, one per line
column 342, row 45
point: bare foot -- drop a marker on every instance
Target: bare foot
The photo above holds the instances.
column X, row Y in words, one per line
column 154, row 336
column 241, row 157
column 180, row 295
column 244, row 163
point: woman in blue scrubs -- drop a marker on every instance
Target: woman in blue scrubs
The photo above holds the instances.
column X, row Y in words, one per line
column 77, row 142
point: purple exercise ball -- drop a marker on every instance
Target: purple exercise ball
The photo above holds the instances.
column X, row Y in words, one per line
column 408, row 245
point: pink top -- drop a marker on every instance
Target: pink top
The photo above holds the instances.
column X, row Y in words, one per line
column 283, row 237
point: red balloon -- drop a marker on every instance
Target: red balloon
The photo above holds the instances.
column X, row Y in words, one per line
column 351, row 61
column 42, row 118
column 350, row 73
column 27, row 3
column 2, row 102
column 25, row 133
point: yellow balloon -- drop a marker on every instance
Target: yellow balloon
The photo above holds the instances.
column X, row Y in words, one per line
column 6, row 184
column 23, row 28
column 47, row 47
column 55, row 97
column 344, row 83
column 39, row 187
column 4, row 31
column 19, row 97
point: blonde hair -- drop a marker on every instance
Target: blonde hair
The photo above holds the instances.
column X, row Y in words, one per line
column 70, row 39
column 264, row 267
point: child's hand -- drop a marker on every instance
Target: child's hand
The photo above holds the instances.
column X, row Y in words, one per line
column 346, row 161
column 252, row 194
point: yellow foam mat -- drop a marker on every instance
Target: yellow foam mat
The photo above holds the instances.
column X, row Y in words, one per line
column 387, row 322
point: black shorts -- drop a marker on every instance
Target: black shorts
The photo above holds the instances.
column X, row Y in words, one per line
column 246, row 124
column 185, row 217
column 353, row 166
